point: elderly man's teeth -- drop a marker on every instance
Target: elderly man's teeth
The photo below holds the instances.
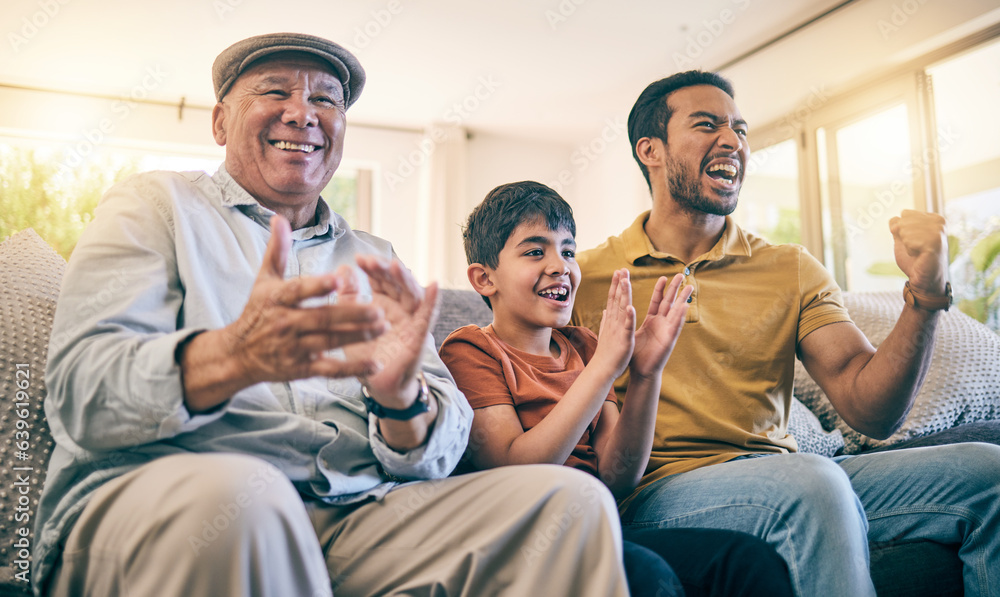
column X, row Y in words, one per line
column 289, row 146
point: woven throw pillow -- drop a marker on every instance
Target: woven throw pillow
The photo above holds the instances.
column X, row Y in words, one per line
column 30, row 274
column 962, row 384
column 809, row 433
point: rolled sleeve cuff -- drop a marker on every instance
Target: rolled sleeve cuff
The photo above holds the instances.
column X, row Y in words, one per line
column 439, row 455
column 167, row 380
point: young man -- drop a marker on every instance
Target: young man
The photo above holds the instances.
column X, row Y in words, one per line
column 725, row 398
column 542, row 392
column 201, row 420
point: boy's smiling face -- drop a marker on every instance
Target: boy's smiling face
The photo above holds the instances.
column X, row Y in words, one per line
column 535, row 281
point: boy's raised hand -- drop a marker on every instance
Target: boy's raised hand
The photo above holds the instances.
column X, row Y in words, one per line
column 655, row 338
column 616, row 337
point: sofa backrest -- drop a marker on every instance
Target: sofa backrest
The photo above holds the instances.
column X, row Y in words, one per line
column 457, row 308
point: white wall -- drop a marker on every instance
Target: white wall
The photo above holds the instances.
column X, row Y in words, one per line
column 422, row 195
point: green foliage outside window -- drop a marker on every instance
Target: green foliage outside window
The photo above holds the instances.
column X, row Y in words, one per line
column 978, row 265
column 341, row 195
column 788, row 228
column 37, row 191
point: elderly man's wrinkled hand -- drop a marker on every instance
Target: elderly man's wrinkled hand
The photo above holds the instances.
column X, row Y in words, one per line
column 411, row 311
column 278, row 339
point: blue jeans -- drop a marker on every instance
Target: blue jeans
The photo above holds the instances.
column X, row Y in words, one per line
column 820, row 513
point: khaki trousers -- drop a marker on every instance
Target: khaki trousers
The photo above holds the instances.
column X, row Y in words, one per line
column 231, row 525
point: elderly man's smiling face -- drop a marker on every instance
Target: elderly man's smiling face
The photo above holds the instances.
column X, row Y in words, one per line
column 282, row 123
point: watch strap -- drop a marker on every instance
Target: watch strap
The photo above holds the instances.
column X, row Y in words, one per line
column 419, row 406
column 928, row 302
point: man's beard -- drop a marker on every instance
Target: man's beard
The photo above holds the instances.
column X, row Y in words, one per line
column 687, row 193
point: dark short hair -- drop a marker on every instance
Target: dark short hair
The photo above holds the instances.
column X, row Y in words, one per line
column 650, row 113
column 504, row 209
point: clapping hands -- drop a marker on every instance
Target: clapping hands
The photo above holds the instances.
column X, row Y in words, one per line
column 655, row 338
column 410, row 311
column 647, row 349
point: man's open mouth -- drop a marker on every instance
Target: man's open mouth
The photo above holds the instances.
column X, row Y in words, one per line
column 560, row 294
column 726, row 172
column 289, row 146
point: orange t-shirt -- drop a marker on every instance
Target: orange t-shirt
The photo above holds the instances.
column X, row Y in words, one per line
column 490, row 372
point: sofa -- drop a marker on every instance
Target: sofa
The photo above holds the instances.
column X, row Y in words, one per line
column 960, row 401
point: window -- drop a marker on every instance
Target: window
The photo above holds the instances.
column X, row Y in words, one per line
column 769, row 200
column 924, row 139
column 966, row 96
column 349, row 194
column 867, row 179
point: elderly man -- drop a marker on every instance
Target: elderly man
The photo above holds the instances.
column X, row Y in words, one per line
column 244, row 417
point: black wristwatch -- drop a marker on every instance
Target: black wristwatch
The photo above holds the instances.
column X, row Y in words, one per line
column 419, row 406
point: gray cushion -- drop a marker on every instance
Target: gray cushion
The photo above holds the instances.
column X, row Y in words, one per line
column 458, row 308
column 30, row 273
column 809, row 433
column 962, row 384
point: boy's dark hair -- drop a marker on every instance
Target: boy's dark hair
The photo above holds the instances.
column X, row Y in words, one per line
column 505, row 208
column 650, row 113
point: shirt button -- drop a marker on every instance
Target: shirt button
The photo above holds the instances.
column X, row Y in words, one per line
column 687, row 271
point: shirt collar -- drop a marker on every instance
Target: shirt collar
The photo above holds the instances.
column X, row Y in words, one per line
column 234, row 195
column 734, row 242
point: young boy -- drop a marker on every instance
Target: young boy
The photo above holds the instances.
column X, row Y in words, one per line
column 543, row 392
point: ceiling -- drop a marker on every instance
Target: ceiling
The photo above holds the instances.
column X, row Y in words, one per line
column 546, row 69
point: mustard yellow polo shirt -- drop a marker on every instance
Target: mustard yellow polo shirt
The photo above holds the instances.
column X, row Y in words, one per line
column 727, row 387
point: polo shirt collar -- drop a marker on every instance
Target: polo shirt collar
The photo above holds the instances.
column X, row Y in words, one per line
column 234, row 195
column 734, row 243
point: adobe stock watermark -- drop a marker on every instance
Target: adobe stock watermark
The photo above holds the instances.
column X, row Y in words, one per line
column 229, row 512
column 379, row 21
column 418, row 495
column 91, row 307
column 457, row 114
column 899, row 17
column 563, row 11
column 885, row 199
column 31, row 25
column 223, row 8
column 545, row 537
column 587, row 153
column 711, row 30
column 120, row 109
column 790, row 124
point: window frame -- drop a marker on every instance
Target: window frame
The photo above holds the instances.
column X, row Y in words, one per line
column 909, row 84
